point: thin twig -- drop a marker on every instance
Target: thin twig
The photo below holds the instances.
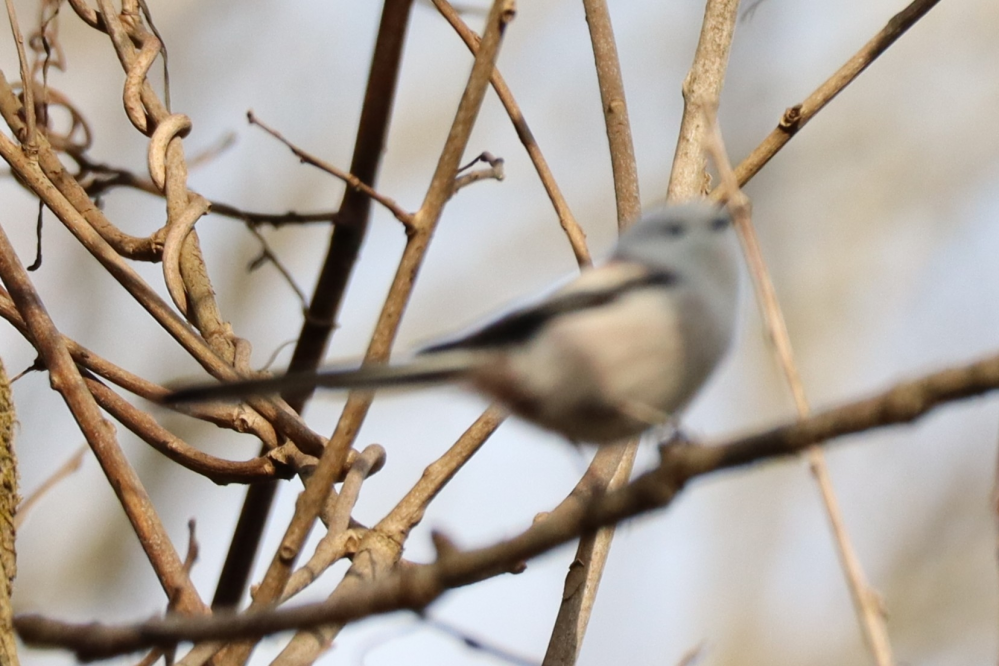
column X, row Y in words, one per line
column 27, row 81
column 349, row 178
column 336, row 543
column 577, row 239
column 213, row 151
column 268, row 255
column 415, row 587
column 866, row 600
column 37, row 263
column 797, row 116
column 150, row 659
column 99, row 178
column 64, row 471
column 494, row 172
column 235, row 417
column 409, row 511
column 217, row 470
column 193, row 549
column 380, row 547
column 694, row 654
column 497, row 652
column 148, row 15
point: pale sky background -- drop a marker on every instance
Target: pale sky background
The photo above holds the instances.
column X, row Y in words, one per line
column 878, row 220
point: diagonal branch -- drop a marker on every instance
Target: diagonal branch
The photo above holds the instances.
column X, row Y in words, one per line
column 865, row 598
column 381, row 547
column 416, row 587
column 424, row 222
column 216, row 469
column 235, row 417
column 797, row 116
column 350, row 179
column 577, row 239
column 67, row 381
column 344, row 248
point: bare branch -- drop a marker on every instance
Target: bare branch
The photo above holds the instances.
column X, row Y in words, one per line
column 577, row 239
column 798, row 115
column 64, row 471
column 267, row 254
column 417, row 586
column 380, row 548
column 97, row 178
column 701, row 90
column 865, row 599
column 216, row 469
column 609, row 470
column 193, row 549
column 409, row 511
column 235, row 417
column 331, row 285
column 27, row 81
column 338, row 538
column 66, row 380
column 494, row 172
column 611, row 466
column 622, row 148
column 349, row 178
column 424, row 222
column 497, row 652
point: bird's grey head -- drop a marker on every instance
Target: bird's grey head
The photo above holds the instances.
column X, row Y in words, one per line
column 692, row 240
column 694, row 245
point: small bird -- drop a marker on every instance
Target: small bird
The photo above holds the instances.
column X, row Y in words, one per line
column 622, row 348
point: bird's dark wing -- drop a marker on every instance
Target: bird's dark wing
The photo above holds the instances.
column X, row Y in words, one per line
column 521, row 325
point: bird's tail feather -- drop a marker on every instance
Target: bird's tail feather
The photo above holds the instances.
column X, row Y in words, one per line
column 429, row 369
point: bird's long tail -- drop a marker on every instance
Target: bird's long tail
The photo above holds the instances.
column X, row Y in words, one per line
column 428, row 369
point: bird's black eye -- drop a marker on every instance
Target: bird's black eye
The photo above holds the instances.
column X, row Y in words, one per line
column 675, row 229
column 720, row 223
